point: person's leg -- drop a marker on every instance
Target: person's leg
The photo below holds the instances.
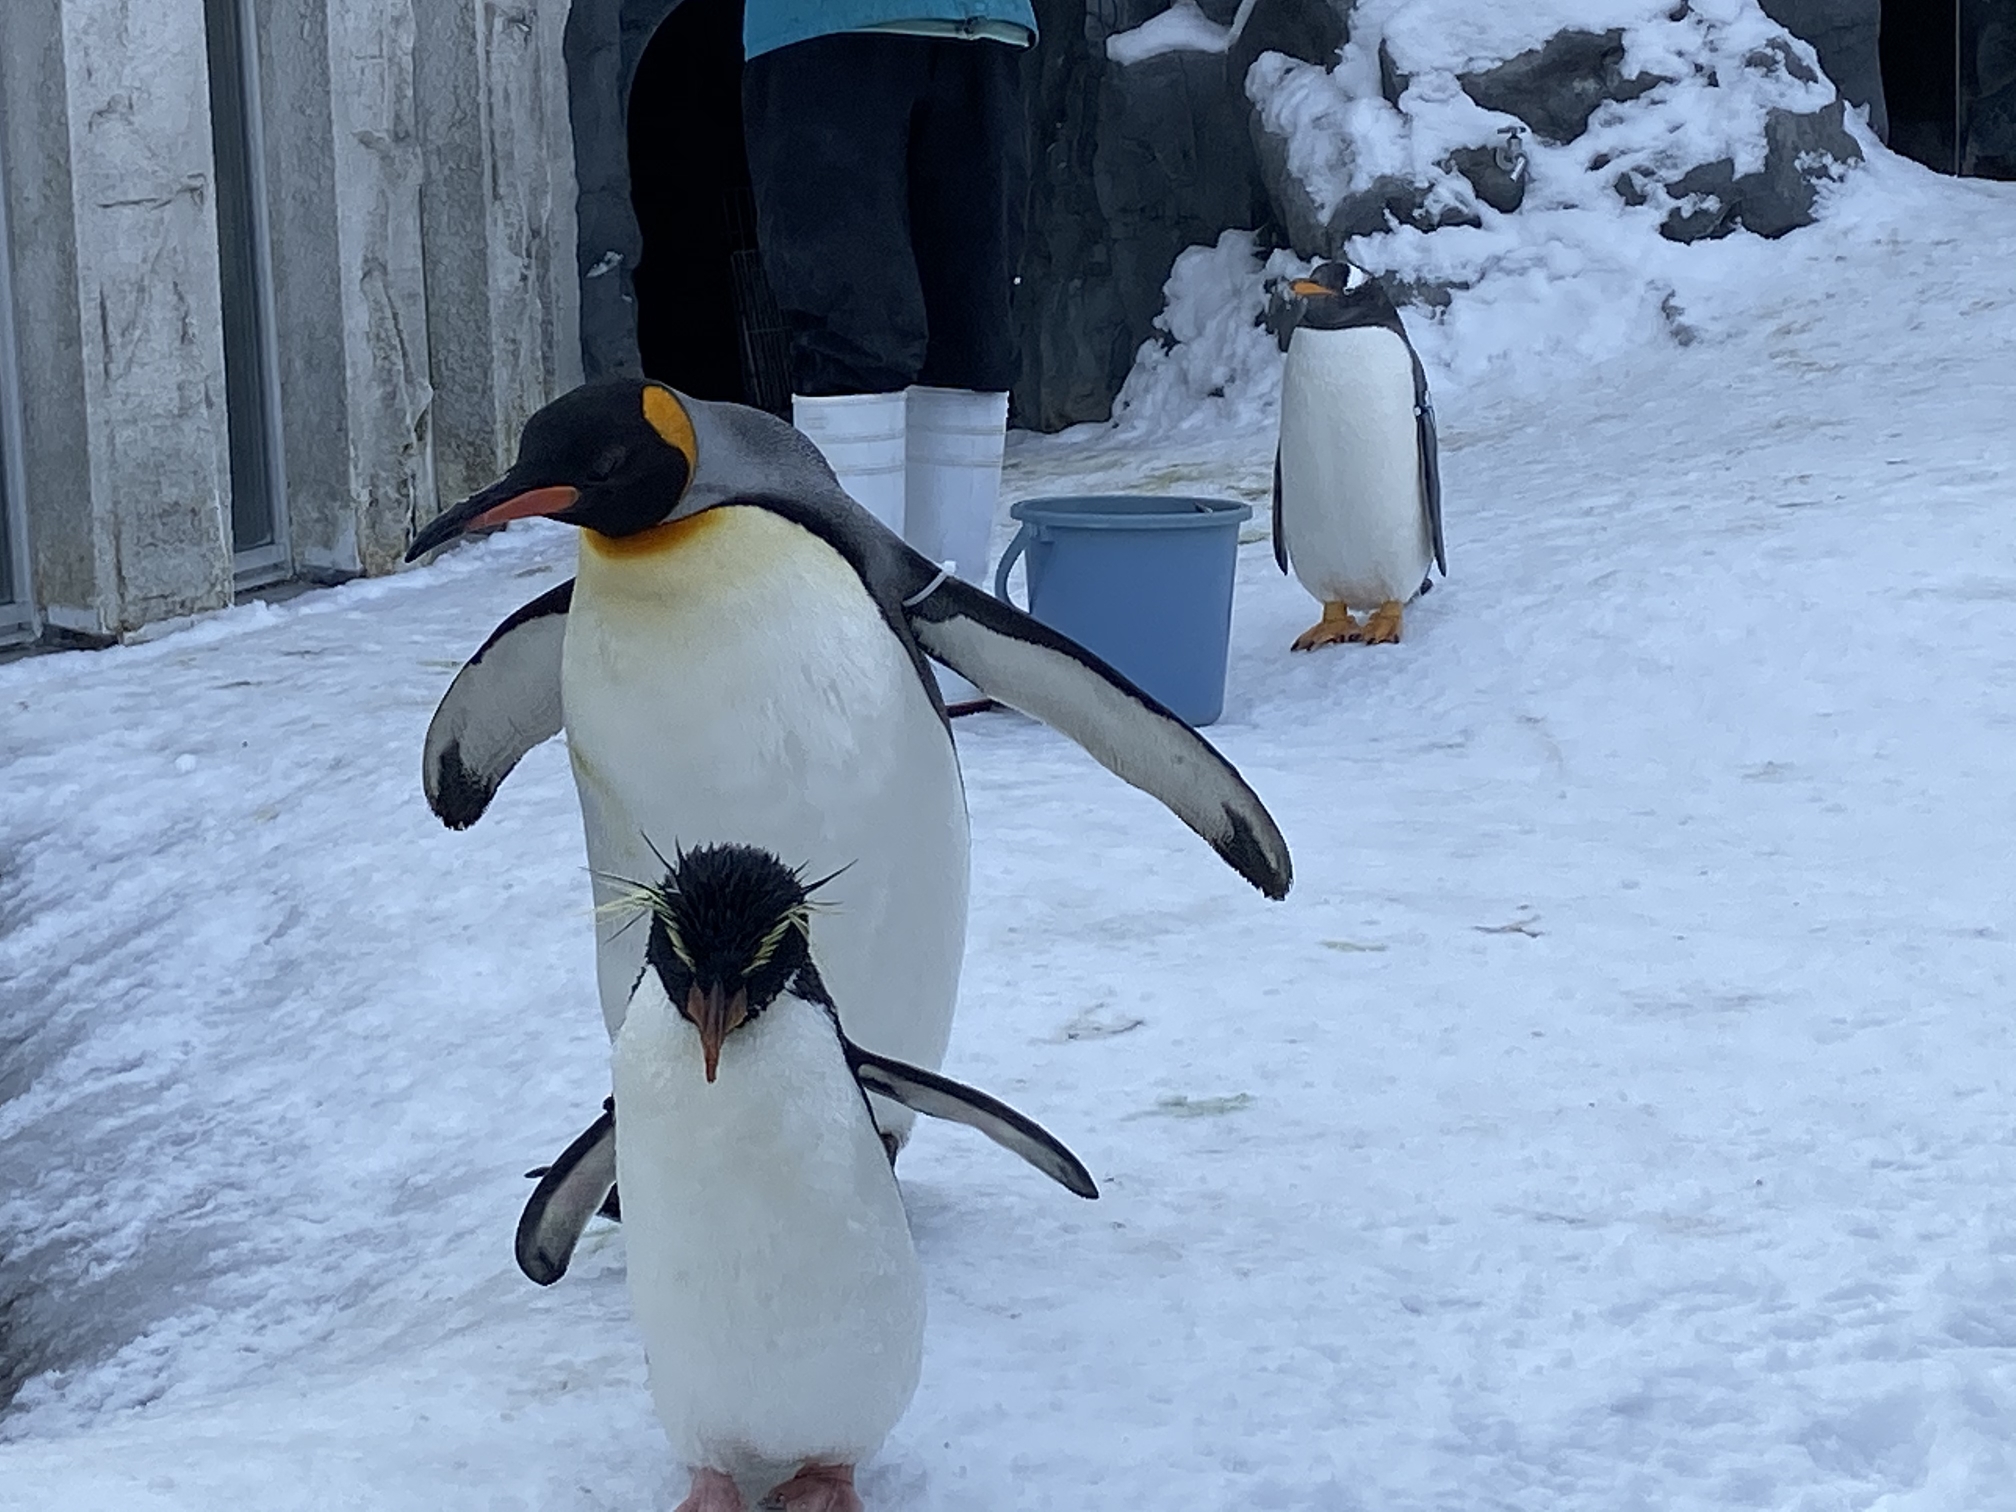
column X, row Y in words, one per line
column 968, row 179
column 828, row 126
column 968, row 187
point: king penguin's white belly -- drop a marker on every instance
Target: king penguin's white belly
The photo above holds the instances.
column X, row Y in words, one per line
column 770, row 1264
column 730, row 680
column 1351, row 504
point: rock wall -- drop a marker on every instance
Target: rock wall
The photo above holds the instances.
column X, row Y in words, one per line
column 118, row 311
column 1137, row 155
column 1146, row 145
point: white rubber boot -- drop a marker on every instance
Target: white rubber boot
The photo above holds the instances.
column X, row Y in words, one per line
column 861, row 438
column 954, row 441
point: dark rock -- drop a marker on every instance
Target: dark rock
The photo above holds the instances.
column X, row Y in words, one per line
column 1843, row 33
column 1392, row 82
column 1497, row 174
column 1988, row 100
column 1295, row 213
column 1780, row 197
column 1074, row 336
column 1800, row 150
column 1312, row 30
column 1430, row 294
column 1778, row 55
column 1388, row 201
column 1556, row 88
column 1174, row 167
column 1715, row 184
column 1131, row 165
column 1629, row 189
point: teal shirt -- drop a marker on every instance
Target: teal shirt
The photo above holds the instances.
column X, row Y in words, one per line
column 771, row 24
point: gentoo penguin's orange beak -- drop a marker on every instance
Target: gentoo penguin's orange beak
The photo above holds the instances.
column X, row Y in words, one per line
column 714, row 1013
column 1308, row 288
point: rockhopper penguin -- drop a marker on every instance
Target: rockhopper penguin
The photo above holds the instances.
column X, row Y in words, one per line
column 770, row 1263
column 1357, row 484
column 743, row 656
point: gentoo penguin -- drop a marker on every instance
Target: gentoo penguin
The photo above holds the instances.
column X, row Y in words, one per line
column 742, row 656
column 770, row 1264
column 1357, row 486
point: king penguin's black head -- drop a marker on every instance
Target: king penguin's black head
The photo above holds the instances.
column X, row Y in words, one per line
column 612, row 456
column 730, row 931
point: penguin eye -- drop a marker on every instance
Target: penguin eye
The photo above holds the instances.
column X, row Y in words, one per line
column 606, row 465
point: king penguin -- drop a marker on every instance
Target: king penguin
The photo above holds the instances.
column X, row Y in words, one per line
column 770, row 1264
column 1357, row 483
column 742, row 655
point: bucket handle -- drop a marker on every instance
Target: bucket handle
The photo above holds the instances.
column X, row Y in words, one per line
column 1008, row 559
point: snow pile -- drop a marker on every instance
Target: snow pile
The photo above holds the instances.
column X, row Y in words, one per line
column 1663, row 125
column 1181, row 28
column 1616, row 1115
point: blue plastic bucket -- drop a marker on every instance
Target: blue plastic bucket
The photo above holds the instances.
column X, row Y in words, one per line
column 1145, row 583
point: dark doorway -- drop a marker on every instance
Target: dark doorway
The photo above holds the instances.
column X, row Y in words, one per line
column 1949, row 77
column 706, row 321
column 251, row 405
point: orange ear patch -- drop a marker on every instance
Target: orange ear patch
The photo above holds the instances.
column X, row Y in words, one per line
column 668, row 417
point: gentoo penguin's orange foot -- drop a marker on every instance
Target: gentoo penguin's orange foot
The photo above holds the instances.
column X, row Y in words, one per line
column 1382, row 625
column 817, row 1488
column 712, row 1492
column 1335, row 626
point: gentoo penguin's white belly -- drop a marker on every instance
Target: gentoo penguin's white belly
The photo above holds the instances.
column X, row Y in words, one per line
column 737, row 683
column 770, row 1263
column 1351, row 505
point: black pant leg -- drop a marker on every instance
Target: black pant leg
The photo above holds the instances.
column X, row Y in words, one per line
column 969, row 180
column 828, row 122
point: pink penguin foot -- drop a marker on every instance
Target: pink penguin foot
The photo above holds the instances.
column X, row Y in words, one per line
column 712, row 1492
column 816, row 1488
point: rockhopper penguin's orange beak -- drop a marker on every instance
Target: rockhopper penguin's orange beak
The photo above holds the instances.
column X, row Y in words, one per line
column 714, row 1013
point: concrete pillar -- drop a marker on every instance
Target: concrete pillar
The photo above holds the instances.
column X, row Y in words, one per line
column 378, row 175
column 118, row 314
column 497, row 217
column 311, row 291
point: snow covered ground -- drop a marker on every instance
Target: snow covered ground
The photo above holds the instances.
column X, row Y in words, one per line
column 1617, row 1115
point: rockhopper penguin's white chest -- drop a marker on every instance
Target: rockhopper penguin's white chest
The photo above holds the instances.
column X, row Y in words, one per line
column 1352, row 506
column 770, row 1264
column 728, row 677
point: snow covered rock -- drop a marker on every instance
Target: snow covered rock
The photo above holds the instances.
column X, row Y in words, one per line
column 1557, row 87
column 1799, row 151
column 1714, row 117
column 1843, row 33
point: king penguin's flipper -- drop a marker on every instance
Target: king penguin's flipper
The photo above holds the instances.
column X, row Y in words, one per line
column 504, row 701
column 1431, row 464
column 568, row 1195
column 938, row 1096
column 1024, row 663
